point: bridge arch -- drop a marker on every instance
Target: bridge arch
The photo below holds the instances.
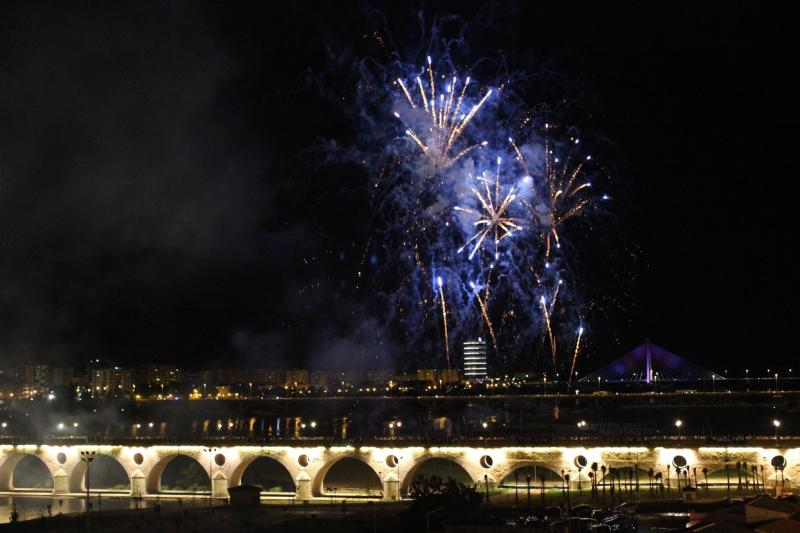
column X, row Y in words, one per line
column 264, row 468
column 444, row 467
column 518, row 474
column 372, row 484
column 153, row 479
column 39, row 474
column 106, row 472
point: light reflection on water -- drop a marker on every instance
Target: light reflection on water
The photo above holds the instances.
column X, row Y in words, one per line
column 30, row 507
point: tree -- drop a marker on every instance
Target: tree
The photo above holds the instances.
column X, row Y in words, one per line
column 746, row 477
column 431, row 493
column 603, row 469
column 739, row 473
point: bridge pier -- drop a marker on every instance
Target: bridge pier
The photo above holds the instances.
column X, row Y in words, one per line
column 219, row 485
column 303, row 483
column 391, row 487
column 60, row 482
column 138, row 484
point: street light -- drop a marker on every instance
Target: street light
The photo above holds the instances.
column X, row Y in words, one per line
column 679, row 424
column 777, row 424
column 210, row 452
column 87, row 457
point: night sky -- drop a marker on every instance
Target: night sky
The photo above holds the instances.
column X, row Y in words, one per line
column 165, row 193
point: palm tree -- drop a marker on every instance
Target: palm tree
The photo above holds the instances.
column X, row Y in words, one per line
column 603, row 470
column 668, row 477
column 542, row 478
column 739, row 473
column 594, row 478
column 705, row 476
column 746, row 478
column 612, row 472
column 728, row 475
column 658, row 477
column 754, row 468
column 650, row 478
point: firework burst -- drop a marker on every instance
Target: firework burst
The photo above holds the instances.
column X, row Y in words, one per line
column 564, row 193
column 443, row 120
column 492, row 217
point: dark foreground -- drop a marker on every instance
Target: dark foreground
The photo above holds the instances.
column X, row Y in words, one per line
column 652, row 516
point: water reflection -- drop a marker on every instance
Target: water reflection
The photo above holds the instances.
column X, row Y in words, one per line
column 30, row 507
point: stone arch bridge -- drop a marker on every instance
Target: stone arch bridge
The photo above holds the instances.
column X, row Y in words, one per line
column 395, row 467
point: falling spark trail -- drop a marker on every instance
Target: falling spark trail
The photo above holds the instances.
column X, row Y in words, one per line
column 408, row 95
column 444, row 320
column 575, row 357
column 549, row 331
column 486, row 319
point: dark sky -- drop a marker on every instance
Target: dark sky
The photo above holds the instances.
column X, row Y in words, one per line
column 157, row 197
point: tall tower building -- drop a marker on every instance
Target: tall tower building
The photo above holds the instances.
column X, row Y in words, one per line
column 475, row 360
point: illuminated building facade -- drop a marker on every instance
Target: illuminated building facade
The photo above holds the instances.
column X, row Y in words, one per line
column 475, row 368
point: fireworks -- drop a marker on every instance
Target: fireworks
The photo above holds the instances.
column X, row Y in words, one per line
column 563, row 193
column 494, row 220
column 575, row 357
column 445, row 125
column 444, row 321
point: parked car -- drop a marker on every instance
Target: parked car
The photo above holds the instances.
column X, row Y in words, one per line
column 582, row 510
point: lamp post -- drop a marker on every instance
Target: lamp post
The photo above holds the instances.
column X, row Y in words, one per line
column 87, row 457
column 528, row 483
column 777, row 424
column 679, row 424
column 399, row 486
column 210, row 452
